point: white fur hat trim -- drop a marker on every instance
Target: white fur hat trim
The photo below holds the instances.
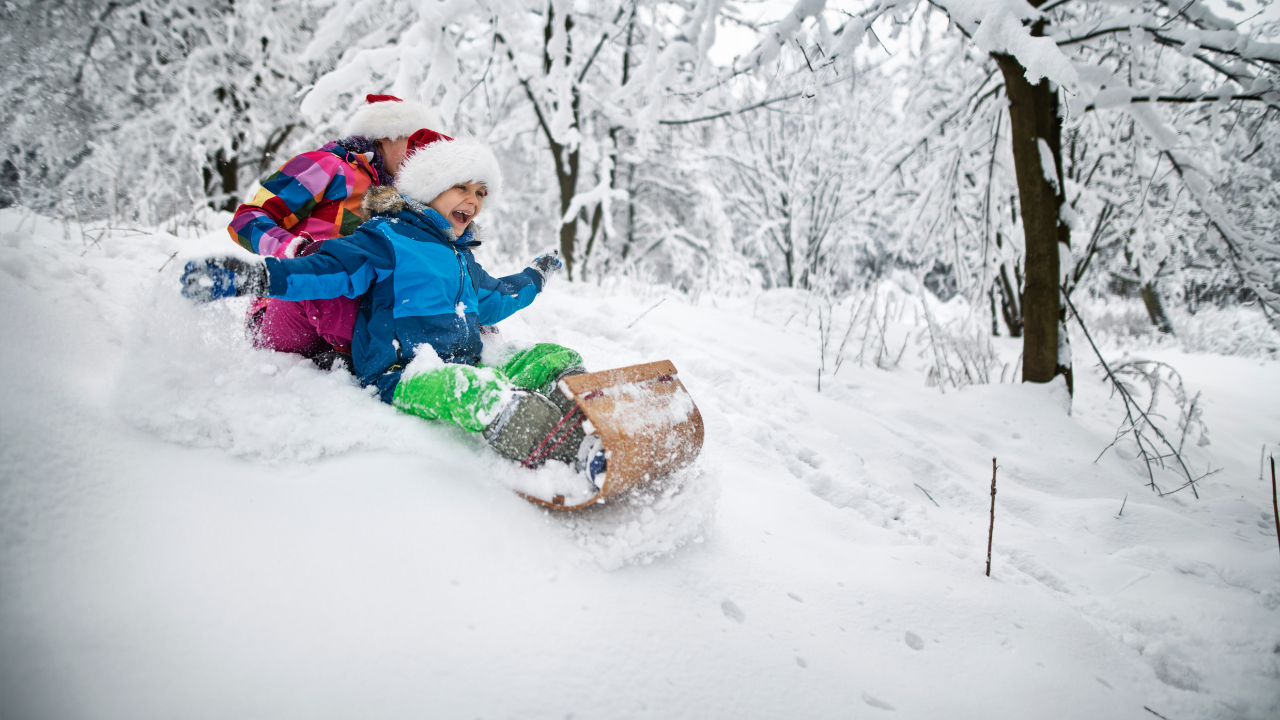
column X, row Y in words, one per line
column 391, row 119
column 434, row 168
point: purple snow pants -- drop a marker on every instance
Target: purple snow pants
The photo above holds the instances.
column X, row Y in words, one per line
column 308, row 327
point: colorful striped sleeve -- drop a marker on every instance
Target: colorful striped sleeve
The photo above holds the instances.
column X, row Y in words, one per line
column 344, row 267
column 288, row 197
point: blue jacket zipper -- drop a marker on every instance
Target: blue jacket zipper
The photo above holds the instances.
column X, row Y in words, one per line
column 462, row 277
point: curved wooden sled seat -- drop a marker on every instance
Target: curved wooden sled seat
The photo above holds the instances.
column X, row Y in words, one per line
column 646, row 419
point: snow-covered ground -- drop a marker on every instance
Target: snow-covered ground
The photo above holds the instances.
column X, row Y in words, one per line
column 190, row 528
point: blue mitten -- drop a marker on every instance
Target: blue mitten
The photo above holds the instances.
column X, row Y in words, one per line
column 547, row 264
column 217, row 278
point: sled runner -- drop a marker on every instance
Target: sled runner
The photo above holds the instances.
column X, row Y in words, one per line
column 645, row 419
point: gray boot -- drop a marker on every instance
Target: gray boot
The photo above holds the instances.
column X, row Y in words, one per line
column 567, row 451
column 522, row 425
column 553, row 392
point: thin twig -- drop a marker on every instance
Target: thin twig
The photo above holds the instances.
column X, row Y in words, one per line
column 992, row 529
column 749, row 108
column 646, row 312
column 937, row 350
column 1153, row 712
column 877, row 37
column 166, row 262
column 1130, row 406
column 1275, row 506
column 823, row 333
column 926, row 494
column 853, row 318
column 1122, row 504
column 1185, row 99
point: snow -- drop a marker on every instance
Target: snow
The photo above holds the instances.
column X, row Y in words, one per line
column 1048, row 168
column 997, row 27
column 193, row 528
column 638, row 408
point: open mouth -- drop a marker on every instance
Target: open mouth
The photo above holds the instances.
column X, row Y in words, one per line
column 460, row 217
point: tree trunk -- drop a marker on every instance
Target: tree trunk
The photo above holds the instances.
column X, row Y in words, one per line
column 613, row 171
column 995, row 319
column 10, row 184
column 568, row 177
column 1033, row 116
column 1155, row 308
column 566, row 167
column 1011, row 301
column 229, row 170
column 631, row 211
column 277, row 138
column 788, row 250
column 596, row 218
column 1010, row 294
column 222, row 181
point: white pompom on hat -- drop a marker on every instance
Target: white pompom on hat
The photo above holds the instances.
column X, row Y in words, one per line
column 387, row 116
column 437, row 162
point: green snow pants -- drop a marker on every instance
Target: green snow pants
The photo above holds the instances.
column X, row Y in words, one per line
column 470, row 397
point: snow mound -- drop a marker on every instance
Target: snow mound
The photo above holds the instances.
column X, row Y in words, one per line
column 181, row 513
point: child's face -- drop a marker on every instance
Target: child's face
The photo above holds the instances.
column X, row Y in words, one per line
column 393, row 154
column 460, row 205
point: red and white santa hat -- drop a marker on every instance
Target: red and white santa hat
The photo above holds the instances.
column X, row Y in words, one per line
column 437, row 162
column 387, row 116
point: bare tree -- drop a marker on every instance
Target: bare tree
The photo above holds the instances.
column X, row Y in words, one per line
column 151, row 104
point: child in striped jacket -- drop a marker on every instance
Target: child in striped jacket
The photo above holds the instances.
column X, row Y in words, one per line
column 312, row 198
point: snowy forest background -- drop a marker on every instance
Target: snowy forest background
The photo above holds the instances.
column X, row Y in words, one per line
column 713, row 145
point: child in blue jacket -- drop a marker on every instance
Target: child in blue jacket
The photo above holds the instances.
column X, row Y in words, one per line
column 425, row 289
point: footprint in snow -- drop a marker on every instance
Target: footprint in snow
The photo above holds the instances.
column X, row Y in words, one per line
column 914, row 642
column 875, row 702
column 732, row 611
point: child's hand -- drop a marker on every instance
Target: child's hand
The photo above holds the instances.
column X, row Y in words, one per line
column 217, row 278
column 547, row 264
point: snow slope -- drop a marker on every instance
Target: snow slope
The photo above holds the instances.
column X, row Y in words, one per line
column 192, row 528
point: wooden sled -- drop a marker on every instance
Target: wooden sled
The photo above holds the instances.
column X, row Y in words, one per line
column 647, row 421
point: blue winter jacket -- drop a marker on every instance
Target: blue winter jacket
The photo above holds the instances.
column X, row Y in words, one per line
column 424, row 286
